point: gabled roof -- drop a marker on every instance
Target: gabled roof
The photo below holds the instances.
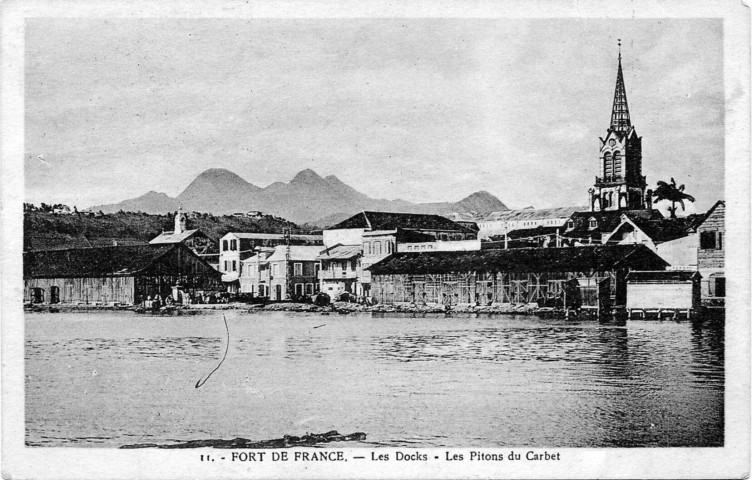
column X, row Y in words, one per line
column 662, row 229
column 54, row 242
column 394, row 220
column 171, row 237
column 567, row 259
column 710, row 212
column 606, row 221
column 341, row 252
column 96, row 262
column 298, row 253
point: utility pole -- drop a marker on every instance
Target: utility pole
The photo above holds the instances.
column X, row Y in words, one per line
column 288, row 265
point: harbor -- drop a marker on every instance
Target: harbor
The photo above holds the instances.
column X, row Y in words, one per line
column 403, row 380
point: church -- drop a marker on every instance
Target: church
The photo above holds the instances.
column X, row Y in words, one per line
column 621, row 185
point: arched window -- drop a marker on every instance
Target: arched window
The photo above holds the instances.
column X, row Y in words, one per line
column 617, row 164
column 608, row 165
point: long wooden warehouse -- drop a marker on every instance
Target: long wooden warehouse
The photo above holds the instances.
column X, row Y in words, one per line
column 122, row 274
column 517, row 276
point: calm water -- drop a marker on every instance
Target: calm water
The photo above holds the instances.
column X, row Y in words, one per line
column 109, row 379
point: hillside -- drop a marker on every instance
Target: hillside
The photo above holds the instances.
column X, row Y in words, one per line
column 49, row 231
column 307, row 198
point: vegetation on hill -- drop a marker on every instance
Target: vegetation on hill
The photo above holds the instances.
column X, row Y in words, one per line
column 44, row 229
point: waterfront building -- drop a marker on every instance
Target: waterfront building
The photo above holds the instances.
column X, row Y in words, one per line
column 235, row 247
column 511, row 276
column 711, row 253
column 692, row 243
column 254, row 275
column 194, row 239
column 281, row 273
column 379, row 234
column 122, row 274
column 340, row 270
column 655, row 292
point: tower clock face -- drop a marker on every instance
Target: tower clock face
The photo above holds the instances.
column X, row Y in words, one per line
column 611, row 142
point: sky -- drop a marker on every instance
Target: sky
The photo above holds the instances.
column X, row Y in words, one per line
column 418, row 109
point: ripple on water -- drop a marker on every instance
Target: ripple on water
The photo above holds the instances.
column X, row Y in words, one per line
column 429, row 381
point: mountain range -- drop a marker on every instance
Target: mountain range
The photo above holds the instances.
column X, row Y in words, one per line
column 307, row 198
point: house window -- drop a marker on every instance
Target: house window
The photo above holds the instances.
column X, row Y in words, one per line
column 234, row 266
column 570, row 224
column 593, row 224
column 409, row 248
column 316, row 270
column 37, row 295
column 720, row 240
column 297, row 269
column 344, row 266
column 224, row 245
column 274, row 269
column 299, row 289
column 720, row 287
column 708, row 240
column 366, row 248
column 377, row 248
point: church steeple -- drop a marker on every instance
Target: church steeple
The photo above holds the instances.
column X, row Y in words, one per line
column 620, row 185
column 620, row 112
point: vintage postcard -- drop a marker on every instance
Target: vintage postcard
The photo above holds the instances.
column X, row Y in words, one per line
column 374, row 240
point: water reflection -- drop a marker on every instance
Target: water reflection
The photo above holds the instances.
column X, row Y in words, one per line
column 405, row 381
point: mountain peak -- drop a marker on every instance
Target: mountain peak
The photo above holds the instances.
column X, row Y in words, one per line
column 223, row 174
column 307, row 176
column 482, row 201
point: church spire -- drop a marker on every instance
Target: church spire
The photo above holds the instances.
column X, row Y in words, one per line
column 620, row 112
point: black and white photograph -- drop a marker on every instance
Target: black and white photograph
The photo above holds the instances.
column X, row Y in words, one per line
column 252, row 240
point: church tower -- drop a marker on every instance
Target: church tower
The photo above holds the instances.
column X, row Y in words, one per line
column 620, row 185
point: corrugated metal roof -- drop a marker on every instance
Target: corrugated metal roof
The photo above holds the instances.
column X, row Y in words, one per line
column 273, row 236
column 531, row 214
column 394, row 220
column 300, row 253
column 94, row 262
column 341, row 252
column 567, row 259
column 170, row 237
